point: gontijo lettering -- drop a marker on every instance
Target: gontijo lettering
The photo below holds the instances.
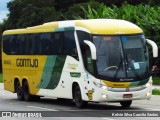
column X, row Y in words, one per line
column 20, row 62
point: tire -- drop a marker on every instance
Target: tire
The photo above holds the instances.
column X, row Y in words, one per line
column 27, row 96
column 19, row 90
column 78, row 98
column 126, row 104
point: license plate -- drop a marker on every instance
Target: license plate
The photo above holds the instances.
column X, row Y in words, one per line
column 127, row 96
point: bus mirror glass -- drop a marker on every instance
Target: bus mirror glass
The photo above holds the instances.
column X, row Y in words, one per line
column 154, row 47
column 92, row 49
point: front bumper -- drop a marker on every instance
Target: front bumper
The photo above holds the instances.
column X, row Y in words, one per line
column 100, row 95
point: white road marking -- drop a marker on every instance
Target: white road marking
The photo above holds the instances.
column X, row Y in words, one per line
column 42, row 108
column 152, row 109
column 107, row 119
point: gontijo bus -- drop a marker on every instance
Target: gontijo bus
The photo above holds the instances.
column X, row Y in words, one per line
column 94, row 60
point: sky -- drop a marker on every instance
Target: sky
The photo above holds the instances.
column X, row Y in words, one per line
column 3, row 9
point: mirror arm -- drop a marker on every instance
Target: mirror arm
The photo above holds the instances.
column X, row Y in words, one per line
column 92, row 48
column 154, row 47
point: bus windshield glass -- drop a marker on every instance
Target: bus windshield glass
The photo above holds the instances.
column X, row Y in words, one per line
column 121, row 57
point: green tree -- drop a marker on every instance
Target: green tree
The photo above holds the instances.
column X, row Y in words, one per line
column 70, row 15
column 25, row 13
column 34, row 16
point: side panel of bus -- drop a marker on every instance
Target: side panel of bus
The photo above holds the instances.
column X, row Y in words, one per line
column 14, row 68
column 47, row 75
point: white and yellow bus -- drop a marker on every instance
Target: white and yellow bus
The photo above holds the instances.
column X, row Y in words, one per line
column 96, row 60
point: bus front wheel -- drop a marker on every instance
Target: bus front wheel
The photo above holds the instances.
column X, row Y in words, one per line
column 126, row 104
column 78, row 98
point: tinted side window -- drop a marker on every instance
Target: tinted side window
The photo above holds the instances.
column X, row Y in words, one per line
column 37, row 44
column 6, row 45
column 81, row 37
column 21, row 44
column 70, row 44
column 30, row 44
column 10, row 44
column 59, row 43
column 85, row 50
column 45, row 45
column 13, row 45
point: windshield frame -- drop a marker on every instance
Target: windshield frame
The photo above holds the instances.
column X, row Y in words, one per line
column 124, row 60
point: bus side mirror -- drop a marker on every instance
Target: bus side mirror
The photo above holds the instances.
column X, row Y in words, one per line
column 92, row 49
column 154, row 47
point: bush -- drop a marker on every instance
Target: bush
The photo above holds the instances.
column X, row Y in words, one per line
column 132, row 2
column 144, row 16
column 70, row 15
column 156, row 92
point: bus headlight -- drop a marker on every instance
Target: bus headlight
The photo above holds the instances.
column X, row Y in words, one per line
column 148, row 94
column 104, row 87
column 104, row 96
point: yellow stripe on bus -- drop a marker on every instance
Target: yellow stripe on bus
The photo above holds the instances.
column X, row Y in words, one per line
column 117, row 84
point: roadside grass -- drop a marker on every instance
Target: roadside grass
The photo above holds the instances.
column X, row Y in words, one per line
column 1, row 78
column 156, row 80
column 155, row 92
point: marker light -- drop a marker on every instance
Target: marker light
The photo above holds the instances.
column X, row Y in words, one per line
column 104, row 87
column 104, row 96
column 148, row 94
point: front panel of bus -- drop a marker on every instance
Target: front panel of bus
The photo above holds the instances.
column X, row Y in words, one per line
column 121, row 66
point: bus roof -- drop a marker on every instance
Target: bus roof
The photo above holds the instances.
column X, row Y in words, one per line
column 94, row 26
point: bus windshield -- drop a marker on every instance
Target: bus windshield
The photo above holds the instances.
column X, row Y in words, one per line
column 121, row 57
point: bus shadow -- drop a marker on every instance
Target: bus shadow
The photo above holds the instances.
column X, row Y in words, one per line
column 69, row 104
column 91, row 106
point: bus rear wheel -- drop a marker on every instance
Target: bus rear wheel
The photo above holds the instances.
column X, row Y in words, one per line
column 78, row 98
column 27, row 96
column 126, row 104
column 19, row 91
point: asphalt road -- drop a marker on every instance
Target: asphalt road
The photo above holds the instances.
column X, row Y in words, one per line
column 63, row 110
